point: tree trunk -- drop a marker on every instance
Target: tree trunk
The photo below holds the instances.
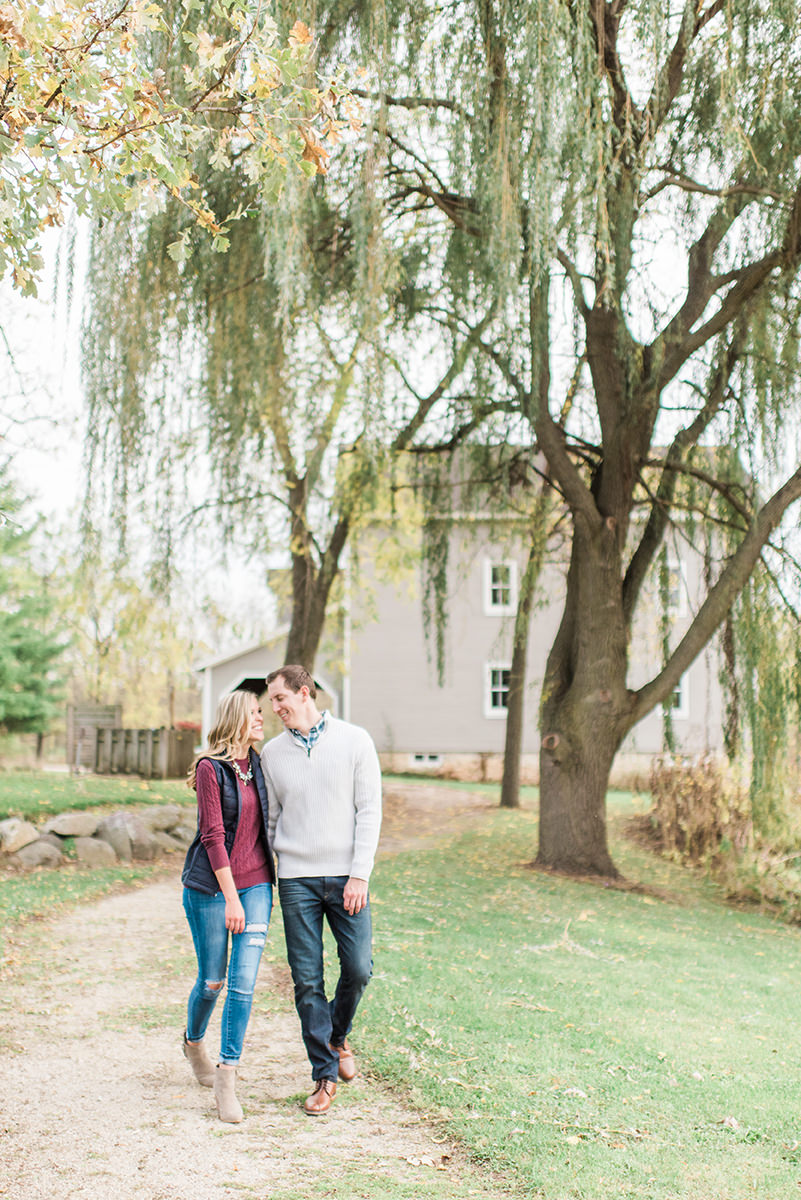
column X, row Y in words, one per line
column 311, row 584
column 574, row 772
column 586, row 709
column 307, row 622
column 513, row 745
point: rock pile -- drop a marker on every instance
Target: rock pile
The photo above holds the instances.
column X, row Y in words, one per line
column 97, row 840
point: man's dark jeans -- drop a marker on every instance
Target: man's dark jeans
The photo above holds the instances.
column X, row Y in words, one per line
column 304, row 903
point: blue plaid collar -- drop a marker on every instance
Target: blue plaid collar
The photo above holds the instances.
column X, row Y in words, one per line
column 310, row 739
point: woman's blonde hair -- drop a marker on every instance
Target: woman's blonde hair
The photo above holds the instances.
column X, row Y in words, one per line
column 230, row 721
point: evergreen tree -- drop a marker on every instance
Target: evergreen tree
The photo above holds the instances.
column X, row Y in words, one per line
column 30, row 683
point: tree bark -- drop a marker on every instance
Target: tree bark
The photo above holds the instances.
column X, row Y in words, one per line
column 585, row 708
column 311, row 583
column 513, row 743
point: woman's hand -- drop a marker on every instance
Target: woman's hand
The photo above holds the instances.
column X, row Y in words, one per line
column 234, row 915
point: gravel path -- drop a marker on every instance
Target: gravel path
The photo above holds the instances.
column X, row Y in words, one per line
column 99, row 1102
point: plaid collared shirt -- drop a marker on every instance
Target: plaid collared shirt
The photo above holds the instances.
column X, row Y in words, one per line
column 307, row 741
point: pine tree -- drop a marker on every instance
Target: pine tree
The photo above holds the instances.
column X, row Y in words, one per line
column 30, row 649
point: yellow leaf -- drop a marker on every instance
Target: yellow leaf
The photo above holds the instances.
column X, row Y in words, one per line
column 299, row 34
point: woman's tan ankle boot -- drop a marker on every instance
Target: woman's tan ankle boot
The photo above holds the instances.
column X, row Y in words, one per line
column 228, row 1106
column 200, row 1062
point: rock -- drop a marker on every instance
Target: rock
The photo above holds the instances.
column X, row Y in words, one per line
column 72, row 824
column 129, row 835
column 143, row 843
column 15, row 833
column 167, row 842
column 94, row 852
column 185, row 834
column 114, row 831
column 40, row 853
column 163, row 818
column 52, row 839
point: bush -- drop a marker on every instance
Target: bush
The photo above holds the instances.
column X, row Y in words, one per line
column 701, row 815
column 764, row 876
column 699, row 809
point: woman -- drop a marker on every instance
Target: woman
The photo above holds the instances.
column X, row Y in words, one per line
column 228, row 882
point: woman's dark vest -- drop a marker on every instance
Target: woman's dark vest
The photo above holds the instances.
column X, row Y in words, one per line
column 197, row 872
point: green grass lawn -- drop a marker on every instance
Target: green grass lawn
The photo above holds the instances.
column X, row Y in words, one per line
column 582, row 1041
column 35, row 794
column 589, row 1042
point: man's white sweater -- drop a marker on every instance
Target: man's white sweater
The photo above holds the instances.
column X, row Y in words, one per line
column 325, row 804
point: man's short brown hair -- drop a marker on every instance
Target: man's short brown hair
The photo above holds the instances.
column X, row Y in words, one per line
column 295, row 677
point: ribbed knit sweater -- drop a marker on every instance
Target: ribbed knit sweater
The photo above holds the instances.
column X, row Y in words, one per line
column 325, row 804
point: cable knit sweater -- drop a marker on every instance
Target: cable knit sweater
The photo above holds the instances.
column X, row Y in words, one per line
column 325, row 804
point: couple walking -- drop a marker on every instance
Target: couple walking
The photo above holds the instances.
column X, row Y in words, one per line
column 313, row 799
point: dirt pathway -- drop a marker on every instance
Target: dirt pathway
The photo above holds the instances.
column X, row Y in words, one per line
column 98, row 1101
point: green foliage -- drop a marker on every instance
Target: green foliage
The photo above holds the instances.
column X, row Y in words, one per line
column 572, row 1036
column 88, row 115
column 30, row 649
column 767, row 641
column 130, row 638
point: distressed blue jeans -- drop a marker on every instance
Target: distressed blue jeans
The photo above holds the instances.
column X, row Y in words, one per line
column 304, row 905
column 206, row 917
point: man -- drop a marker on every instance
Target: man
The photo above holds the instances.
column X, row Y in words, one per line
column 324, row 789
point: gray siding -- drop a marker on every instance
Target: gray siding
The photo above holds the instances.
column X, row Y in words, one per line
column 396, row 695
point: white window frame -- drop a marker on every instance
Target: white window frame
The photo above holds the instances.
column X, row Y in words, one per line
column 492, row 609
column 490, row 711
column 681, row 711
column 423, row 759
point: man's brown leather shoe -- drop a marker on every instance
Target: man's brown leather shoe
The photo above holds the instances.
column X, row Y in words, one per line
column 347, row 1063
column 319, row 1101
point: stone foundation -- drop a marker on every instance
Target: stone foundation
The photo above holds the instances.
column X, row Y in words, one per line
column 630, row 772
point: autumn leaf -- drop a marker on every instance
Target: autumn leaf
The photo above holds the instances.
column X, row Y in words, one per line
column 299, row 35
column 314, row 151
column 10, row 29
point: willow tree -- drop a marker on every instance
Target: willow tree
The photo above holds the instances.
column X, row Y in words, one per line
column 619, row 183
column 259, row 365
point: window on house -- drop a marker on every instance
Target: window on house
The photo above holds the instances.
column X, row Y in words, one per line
column 428, row 760
column 500, row 587
column 496, row 697
column 680, row 700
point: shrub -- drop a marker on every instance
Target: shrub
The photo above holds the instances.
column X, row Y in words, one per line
column 702, row 815
column 764, row 876
column 699, row 809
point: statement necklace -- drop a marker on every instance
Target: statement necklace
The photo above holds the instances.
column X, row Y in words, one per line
column 245, row 778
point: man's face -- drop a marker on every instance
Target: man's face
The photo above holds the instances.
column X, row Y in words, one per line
column 288, row 705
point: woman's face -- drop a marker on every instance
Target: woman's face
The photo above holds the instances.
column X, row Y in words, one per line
column 253, row 731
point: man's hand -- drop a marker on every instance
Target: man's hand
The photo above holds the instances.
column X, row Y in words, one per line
column 355, row 895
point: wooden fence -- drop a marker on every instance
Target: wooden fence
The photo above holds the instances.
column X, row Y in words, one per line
column 83, row 721
column 151, row 753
